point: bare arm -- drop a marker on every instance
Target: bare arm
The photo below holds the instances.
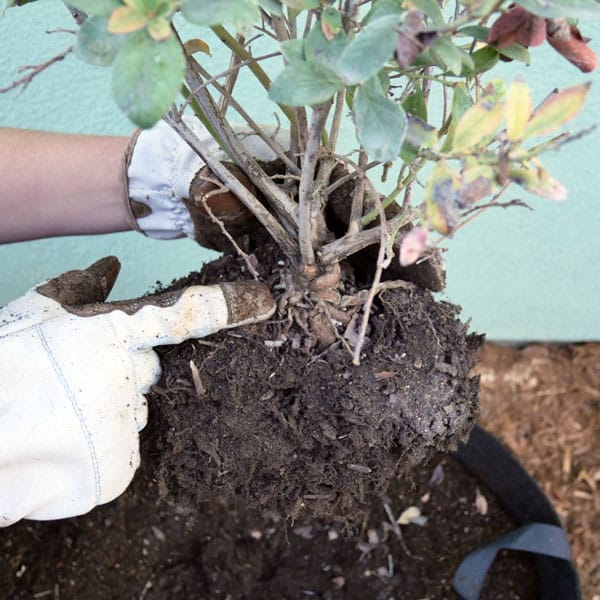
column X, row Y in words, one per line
column 54, row 184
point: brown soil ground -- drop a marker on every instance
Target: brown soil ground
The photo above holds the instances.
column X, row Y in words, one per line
column 543, row 401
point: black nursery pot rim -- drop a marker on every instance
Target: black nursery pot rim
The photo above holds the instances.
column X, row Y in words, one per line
column 521, row 497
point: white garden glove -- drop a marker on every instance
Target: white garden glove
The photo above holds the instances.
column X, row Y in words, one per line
column 159, row 170
column 72, row 379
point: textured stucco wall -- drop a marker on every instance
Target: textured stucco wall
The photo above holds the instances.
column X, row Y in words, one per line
column 519, row 275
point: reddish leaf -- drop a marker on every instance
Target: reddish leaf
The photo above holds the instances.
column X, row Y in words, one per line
column 567, row 40
column 517, row 25
column 412, row 246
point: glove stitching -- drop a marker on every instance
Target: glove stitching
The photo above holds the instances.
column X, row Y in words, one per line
column 76, row 408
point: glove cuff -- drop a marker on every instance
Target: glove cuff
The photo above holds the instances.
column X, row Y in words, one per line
column 158, row 170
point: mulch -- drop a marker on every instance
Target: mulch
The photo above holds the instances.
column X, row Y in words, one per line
column 543, row 402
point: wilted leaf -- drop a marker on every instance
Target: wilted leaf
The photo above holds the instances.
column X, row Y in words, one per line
column 147, row 76
column 300, row 84
column 95, row 45
column 478, row 123
column 196, row 45
column 537, row 181
column 442, row 198
column 557, row 110
column 519, row 107
column 517, row 25
column 477, row 182
column 380, row 122
column 412, row 246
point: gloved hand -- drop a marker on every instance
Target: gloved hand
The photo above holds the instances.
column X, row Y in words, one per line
column 160, row 168
column 73, row 371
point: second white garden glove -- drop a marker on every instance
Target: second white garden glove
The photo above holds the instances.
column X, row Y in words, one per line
column 73, row 371
column 159, row 170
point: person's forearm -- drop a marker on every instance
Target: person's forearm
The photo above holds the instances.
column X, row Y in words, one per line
column 54, row 184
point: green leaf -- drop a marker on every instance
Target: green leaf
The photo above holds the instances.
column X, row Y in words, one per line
column 451, row 56
column 557, row 110
column 383, row 8
column 147, row 76
column 95, row 8
column 380, row 122
column 479, row 122
column 483, row 59
column 95, row 45
column 572, row 9
column 293, row 50
column 368, row 52
column 242, row 14
column 415, row 104
column 323, row 54
column 419, row 134
column 516, row 52
column 300, row 84
column 478, row 32
column 431, row 8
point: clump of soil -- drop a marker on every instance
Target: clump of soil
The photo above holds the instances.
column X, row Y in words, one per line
column 259, row 417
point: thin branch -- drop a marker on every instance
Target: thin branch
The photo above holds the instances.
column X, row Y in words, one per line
column 272, row 192
column 232, row 70
column 279, row 234
column 382, row 263
column 268, row 139
column 349, row 244
column 34, row 71
column 221, row 189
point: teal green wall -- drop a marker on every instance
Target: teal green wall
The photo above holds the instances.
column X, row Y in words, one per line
column 519, row 275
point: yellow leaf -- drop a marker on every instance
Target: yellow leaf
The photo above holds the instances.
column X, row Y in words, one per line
column 557, row 110
column 519, row 107
column 195, row 45
column 125, row 19
column 478, row 123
